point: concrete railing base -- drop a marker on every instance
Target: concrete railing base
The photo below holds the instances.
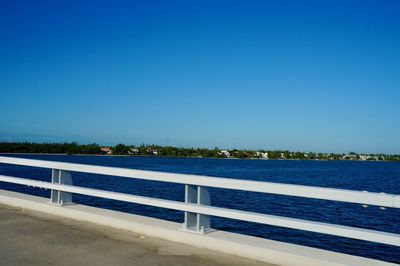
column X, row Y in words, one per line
column 230, row 243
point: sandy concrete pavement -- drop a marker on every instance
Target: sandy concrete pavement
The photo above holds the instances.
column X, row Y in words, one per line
column 32, row 238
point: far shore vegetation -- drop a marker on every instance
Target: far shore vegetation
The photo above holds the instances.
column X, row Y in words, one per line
column 169, row 151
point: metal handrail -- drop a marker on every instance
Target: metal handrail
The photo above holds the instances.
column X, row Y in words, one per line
column 200, row 209
column 343, row 195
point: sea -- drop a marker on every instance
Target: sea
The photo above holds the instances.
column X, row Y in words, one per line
column 354, row 175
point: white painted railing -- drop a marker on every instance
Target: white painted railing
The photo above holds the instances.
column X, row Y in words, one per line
column 197, row 201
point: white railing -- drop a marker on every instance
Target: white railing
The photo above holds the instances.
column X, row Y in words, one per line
column 197, row 201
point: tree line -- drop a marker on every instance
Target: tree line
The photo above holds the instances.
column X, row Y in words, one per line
column 61, row 148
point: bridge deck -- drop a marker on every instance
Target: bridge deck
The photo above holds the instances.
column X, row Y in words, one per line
column 32, row 238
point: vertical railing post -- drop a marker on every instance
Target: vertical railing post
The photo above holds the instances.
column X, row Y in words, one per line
column 59, row 197
column 195, row 222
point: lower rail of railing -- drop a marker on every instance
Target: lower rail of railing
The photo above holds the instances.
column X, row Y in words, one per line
column 197, row 205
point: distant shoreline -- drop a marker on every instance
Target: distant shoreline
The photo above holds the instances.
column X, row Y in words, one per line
column 182, row 157
column 182, row 152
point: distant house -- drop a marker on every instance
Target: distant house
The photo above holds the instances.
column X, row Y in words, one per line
column 349, row 157
column 225, row 153
column 152, row 151
column 365, row 157
column 106, row 150
column 133, row 151
column 262, row 155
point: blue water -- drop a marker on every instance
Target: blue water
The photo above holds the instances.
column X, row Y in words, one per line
column 370, row 176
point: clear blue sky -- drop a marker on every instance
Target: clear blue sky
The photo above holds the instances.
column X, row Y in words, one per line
column 298, row 75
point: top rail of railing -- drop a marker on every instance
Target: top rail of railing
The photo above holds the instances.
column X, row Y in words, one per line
column 369, row 198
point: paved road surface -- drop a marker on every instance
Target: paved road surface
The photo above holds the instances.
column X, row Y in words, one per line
column 31, row 238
